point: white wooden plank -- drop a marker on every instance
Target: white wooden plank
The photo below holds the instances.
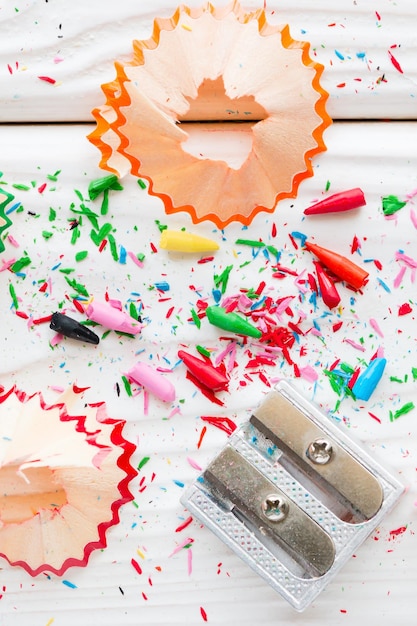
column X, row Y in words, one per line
column 378, row 585
column 76, row 43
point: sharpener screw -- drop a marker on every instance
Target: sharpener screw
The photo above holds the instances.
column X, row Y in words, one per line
column 320, row 451
column 275, row 508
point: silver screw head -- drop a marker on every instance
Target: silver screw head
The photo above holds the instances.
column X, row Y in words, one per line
column 320, row 451
column 275, row 508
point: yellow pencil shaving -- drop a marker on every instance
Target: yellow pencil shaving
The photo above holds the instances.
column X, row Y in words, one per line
column 181, row 241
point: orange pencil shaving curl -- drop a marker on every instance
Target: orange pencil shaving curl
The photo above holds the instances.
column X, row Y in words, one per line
column 222, row 65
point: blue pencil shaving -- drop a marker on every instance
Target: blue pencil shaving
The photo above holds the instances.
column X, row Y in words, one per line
column 384, row 285
column 367, row 381
column 122, row 255
column 162, row 286
column 13, row 208
column 69, row 584
column 217, row 294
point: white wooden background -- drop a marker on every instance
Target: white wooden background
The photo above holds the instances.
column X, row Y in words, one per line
column 75, row 42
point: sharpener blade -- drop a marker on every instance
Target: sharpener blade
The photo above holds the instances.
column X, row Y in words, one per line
column 254, row 496
column 339, row 476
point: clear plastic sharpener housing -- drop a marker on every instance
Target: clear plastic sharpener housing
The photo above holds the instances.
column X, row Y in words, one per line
column 292, row 495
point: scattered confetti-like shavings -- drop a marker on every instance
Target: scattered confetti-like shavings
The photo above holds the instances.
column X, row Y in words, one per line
column 289, row 324
column 406, row 408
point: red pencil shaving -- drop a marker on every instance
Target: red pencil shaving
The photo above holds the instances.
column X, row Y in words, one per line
column 338, row 202
column 209, row 376
column 329, row 293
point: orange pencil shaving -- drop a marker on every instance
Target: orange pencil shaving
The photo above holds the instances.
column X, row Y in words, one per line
column 341, row 266
column 260, row 87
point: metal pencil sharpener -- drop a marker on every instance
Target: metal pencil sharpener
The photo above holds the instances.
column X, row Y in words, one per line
column 292, row 495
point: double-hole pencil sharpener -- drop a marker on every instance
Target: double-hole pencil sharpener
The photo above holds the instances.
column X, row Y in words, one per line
column 292, row 495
